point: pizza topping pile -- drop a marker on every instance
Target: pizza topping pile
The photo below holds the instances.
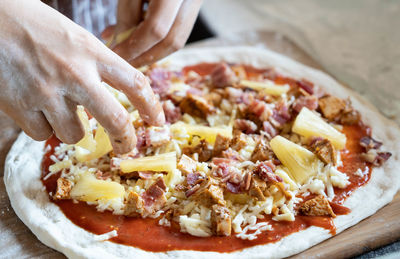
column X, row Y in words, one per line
column 239, row 150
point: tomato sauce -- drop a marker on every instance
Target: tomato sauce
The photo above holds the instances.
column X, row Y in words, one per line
column 146, row 234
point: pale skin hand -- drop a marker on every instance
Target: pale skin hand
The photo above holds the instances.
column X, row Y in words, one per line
column 165, row 28
column 49, row 65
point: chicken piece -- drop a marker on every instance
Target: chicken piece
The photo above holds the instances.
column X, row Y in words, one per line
column 238, row 141
column 221, row 144
column 221, row 221
column 214, row 98
column 134, row 205
column 262, row 152
column 187, row 165
column 331, row 106
column 324, row 150
column 350, row 117
column 208, row 193
column 258, row 188
column 202, row 149
column 196, row 106
column 318, row 206
column 63, row 190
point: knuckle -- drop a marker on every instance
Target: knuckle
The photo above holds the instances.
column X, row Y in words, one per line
column 120, row 123
column 176, row 44
column 159, row 31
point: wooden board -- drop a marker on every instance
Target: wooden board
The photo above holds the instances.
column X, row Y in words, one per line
column 378, row 230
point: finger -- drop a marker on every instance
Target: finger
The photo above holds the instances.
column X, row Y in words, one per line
column 129, row 14
column 156, row 25
column 108, row 112
column 108, row 33
column 62, row 116
column 176, row 37
column 122, row 76
column 33, row 123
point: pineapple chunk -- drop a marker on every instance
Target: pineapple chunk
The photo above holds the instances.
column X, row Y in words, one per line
column 90, row 189
column 102, row 147
column 87, row 142
column 301, row 163
column 308, row 124
column 205, row 132
column 267, row 87
column 173, row 178
column 159, row 163
column 283, row 173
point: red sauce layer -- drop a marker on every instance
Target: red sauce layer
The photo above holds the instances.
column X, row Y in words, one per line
column 146, row 234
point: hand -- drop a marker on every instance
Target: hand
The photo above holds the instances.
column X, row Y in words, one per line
column 165, row 28
column 49, row 65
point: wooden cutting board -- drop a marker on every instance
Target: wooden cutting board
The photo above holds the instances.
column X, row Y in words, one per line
column 17, row 241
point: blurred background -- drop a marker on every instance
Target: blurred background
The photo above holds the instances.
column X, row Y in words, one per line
column 355, row 41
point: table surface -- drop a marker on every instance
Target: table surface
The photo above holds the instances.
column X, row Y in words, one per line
column 18, row 241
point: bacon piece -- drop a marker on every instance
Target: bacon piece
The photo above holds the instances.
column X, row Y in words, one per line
column 187, row 165
column 311, row 102
column 63, row 190
column 262, row 152
column 157, row 136
column 270, row 130
column 221, row 144
column 324, row 150
column 196, row 106
column 192, row 178
column 376, row 158
column 246, row 126
column 280, row 115
column 154, row 198
column 140, row 138
column 100, row 175
column 260, row 109
column 233, row 94
column 265, row 171
column 159, row 80
column 232, row 155
column 134, row 205
column 222, row 75
column 306, row 86
column 219, row 160
column 220, row 220
column 233, row 187
column 172, row 113
column 318, row 206
column 195, row 91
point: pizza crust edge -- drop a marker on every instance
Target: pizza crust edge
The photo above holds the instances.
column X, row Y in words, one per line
column 48, row 223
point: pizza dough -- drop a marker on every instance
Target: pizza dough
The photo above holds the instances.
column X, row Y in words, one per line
column 31, row 202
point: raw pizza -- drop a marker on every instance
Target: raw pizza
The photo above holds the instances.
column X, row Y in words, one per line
column 260, row 157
